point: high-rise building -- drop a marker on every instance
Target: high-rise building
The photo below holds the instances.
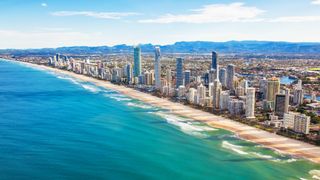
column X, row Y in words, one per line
column 313, row 96
column 191, row 95
column 201, row 94
column 187, row 75
column 287, row 101
column 137, row 61
column 169, row 77
column 288, row 119
column 181, row 91
column 301, row 124
column 149, row 78
column 206, row 78
column 157, row 68
column 223, row 76
column 214, row 60
column 244, row 85
column 230, row 76
column 224, row 99
column 129, row 73
column 279, row 106
column 240, row 91
column 273, row 88
column 216, row 94
column 235, row 106
column 263, row 85
column 179, row 70
column 299, row 85
column 250, row 102
column 298, row 95
column 210, row 90
column 212, row 76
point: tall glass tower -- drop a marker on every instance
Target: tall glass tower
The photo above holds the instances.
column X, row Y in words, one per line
column 214, row 60
column 137, row 61
column 157, row 68
column 179, row 81
column 230, row 76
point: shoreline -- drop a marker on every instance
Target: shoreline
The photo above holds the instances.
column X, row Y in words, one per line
column 269, row 140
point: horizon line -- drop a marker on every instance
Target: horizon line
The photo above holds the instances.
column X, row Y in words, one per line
column 168, row 44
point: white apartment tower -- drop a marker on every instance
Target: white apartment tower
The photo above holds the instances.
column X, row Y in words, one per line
column 250, row 103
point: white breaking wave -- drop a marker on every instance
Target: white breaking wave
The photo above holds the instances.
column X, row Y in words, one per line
column 240, row 150
column 91, row 88
column 143, row 106
column 315, row 174
column 186, row 125
column 118, row 97
column 235, row 148
column 262, row 155
column 69, row 79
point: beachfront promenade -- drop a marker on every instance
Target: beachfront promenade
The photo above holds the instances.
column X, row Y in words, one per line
column 269, row 140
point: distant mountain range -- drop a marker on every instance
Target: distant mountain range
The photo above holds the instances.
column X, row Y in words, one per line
column 236, row 47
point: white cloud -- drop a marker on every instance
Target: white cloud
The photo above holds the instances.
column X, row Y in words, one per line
column 44, row 4
column 99, row 15
column 296, row 19
column 317, row 2
column 234, row 12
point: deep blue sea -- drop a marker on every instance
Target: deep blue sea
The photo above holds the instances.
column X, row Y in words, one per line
column 56, row 127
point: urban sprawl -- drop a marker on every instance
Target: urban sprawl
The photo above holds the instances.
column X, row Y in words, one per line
column 245, row 90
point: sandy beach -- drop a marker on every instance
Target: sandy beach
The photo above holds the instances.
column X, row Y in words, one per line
column 273, row 141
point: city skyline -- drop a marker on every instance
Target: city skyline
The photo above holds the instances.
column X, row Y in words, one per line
column 41, row 24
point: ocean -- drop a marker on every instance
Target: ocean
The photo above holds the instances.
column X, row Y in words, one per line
column 55, row 127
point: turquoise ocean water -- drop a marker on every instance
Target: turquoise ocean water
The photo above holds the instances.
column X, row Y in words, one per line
column 56, row 127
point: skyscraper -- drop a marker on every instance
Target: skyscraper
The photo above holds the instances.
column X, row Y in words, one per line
column 298, row 94
column 137, row 61
column 129, row 73
column 224, row 99
column 179, row 70
column 263, row 87
column 273, row 88
column 216, row 94
column 230, row 76
column 187, row 75
column 214, row 60
column 279, row 106
column 201, row 94
column 250, row 102
column 169, row 77
column 223, row 77
column 157, row 68
column 287, row 101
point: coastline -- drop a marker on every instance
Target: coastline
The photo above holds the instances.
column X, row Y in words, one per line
column 269, row 140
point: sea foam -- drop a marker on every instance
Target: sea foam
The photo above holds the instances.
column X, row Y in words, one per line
column 242, row 151
column 315, row 174
column 143, row 106
column 235, row 148
column 186, row 125
column 91, row 88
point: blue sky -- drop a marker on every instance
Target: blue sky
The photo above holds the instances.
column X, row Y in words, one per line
column 55, row 23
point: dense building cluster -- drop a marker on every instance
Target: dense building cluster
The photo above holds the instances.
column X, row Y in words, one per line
column 220, row 88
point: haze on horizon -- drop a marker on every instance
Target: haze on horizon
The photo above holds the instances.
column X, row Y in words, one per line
column 57, row 23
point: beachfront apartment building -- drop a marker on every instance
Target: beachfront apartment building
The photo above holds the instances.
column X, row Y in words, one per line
column 301, row 124
column 298, row 122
